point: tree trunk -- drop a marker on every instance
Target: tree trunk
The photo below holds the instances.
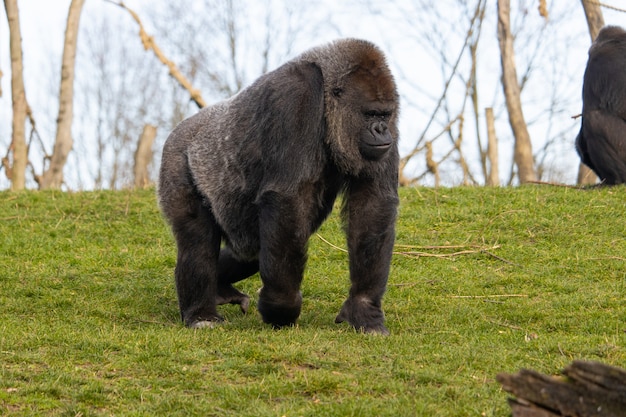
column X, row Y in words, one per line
column 143, row 156
column 595, row 22
column 53, row 176
column 493, row 179
column 16, row 172
column 523, row 153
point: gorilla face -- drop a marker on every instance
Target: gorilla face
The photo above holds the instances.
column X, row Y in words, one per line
column 369, row 100
column 375, row 139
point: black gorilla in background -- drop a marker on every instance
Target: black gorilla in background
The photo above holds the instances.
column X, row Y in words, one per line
column 260, row 173
column 601, row 142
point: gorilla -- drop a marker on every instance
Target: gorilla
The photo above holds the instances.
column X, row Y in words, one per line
column 244, row 183
column 601, row 143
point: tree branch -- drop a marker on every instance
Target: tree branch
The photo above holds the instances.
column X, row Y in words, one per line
column 150, row 44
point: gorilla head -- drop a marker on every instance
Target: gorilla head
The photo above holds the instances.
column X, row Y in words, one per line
column 361, row 98
column 601, row 142
column 260, row 173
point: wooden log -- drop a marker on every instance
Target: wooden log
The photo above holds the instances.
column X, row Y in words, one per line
column 598, row 374
column 586, row 389
column 521, row 408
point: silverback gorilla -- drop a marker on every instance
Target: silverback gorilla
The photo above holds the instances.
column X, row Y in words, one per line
column 260, row 172
column 601, row 142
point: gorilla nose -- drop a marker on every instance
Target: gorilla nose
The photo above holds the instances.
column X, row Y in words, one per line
column 380, row 128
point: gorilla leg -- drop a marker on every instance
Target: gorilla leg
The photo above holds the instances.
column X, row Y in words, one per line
column 198, row 240
column 370, row 219
column 284, row 235
column 229, row 271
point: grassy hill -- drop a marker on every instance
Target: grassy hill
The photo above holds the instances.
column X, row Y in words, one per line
column 485, row 280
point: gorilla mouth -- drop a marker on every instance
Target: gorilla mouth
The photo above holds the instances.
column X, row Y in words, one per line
column 380, row 145
column 374, row 151
column 377, row 142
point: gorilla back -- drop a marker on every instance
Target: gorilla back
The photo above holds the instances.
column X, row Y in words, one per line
column 260, row 173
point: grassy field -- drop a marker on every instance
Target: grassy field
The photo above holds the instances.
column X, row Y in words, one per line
column 486, row 280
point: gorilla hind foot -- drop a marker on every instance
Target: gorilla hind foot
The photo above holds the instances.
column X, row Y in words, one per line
column 227, row 294
column 363, row 315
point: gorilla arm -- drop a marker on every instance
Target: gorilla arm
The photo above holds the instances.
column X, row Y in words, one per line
column 370, row 213
column 282, row 258
column 292, row 188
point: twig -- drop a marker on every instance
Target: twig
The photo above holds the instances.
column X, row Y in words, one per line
column 555, row 184
column 501, row 258
column 438, row 255
column 149, row 43
column 510, row 326
column 161, row 323
column 608, row 6
column 457, row 253
column 418, row 254
column 607, row 258
column 489, row 296
column 400, row 245
column 330, row 244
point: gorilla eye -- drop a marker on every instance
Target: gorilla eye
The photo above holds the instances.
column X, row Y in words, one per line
column 337, row 92
column 378, row 114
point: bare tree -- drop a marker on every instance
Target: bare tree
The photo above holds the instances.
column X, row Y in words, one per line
column 53, row 176
column 16, row 171
column 595, row 21
column 492, row 149
column 523, row 153
column 452, row 114
column 218, row 55
column 143, row 156
column 128, row 88
column 235, row 55
column 119, row 90
column 473, row 90
column 435, row 31
column 150, row 44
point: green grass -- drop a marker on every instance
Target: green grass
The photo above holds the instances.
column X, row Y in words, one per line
column 89, row 322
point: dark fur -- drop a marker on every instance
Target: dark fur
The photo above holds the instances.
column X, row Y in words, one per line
column 601, row 142
column 261, row 171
